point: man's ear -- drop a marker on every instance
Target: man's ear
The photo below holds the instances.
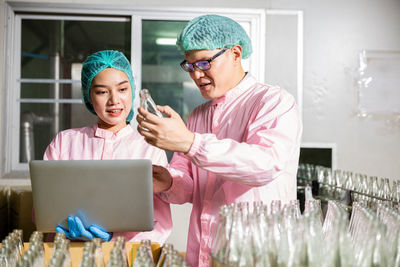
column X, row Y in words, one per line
column 237, row 53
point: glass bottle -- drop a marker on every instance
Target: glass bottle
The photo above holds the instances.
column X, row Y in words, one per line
column 386, row 189
column 36, row 247
column 88, row 255
column 7, row 246
column 116, row 258
column 331, row 183
column 167, row 248
column 57, row 260
column 143, row 258
column 235, row 238
column 24, row 262
column 147, row 103
column 120, row 243
column 142, row 261
column 375, row 186
column 4, row 258
column 221, row 238
column 147, row 244
column 98, row 252
column 20, row 241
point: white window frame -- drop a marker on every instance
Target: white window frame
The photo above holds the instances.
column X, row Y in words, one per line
column 9, row 157
column 332, row 146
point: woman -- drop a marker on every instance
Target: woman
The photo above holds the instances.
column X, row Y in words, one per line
column 108, row 92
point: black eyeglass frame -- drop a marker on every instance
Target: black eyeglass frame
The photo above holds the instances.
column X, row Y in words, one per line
column 189, row 67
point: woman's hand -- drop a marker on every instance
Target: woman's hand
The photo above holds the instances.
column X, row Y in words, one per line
column 77, row 231
column 168, row 133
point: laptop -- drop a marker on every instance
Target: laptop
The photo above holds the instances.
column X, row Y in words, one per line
column 115, row 194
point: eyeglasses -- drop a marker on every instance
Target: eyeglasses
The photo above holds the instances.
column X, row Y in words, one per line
column 202, row 64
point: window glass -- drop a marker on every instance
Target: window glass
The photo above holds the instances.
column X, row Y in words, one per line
column 47, row 43
column 36, row 90
column 37, row 125
column 161, row 73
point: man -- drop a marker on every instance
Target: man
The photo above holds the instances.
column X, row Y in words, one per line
column 241, row 146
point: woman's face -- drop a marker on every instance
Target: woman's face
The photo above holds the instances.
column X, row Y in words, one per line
column 111, row 97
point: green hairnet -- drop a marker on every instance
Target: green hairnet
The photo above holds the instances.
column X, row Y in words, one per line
column 213, row 32
column 96, row 63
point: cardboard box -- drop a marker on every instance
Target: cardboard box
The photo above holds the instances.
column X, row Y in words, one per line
column 155, row 248
column 4, row 218
column 20, row 210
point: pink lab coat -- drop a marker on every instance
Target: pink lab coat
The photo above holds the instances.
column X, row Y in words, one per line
column 96, row 143
column 246, row 148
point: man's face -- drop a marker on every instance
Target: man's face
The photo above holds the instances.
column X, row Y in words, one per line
column 216, row 81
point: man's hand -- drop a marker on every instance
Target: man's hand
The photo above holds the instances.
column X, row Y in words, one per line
column 168, row 133
column 162, row 179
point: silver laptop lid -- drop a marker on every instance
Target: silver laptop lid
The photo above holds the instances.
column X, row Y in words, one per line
column 116, row 194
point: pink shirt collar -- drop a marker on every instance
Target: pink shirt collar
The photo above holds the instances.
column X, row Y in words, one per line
column 106, row 134
column 232, row 94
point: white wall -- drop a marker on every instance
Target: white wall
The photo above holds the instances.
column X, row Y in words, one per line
column 334, row 33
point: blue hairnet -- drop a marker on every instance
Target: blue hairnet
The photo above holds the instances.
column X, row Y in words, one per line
column 96, row 63
column 213, row 32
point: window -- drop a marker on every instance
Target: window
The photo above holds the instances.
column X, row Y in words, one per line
column 52, row 52
column 46, row 46
column 161, row 73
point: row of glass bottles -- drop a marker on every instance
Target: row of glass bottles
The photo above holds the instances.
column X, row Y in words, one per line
column 376, row 235
column 256, row 235
column 12, row 248
column 12, row 253
column 335, row 184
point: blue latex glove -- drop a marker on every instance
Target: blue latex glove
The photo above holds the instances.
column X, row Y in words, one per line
column 76, row 230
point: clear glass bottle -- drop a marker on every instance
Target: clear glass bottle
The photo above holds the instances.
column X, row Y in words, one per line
column 4, row 257
column 8, row 247
column 147, row 244
column 98, row 252
column 147, row 103
column 58, row 258
column 120, row 243
column 222, row 235
column 143, row 258
column 386, row 191
column 88, row 255
column 143, row 261
column 20, row 241
column 116, row 258
column 24, row 262
column 236, row 236
column 167, row 248
column 38, row 250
